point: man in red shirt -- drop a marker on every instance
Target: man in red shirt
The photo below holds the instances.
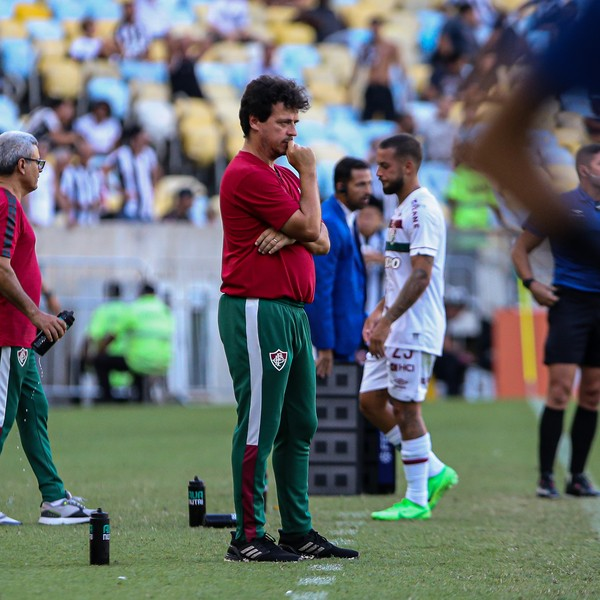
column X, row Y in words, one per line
column 21, row 394
column 272, row 227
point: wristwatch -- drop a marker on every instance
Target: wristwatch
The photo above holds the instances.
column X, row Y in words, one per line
column 527, row 282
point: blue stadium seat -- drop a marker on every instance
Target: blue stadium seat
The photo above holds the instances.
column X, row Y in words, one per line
column 9, row 114
column 353, row 37
column 18, row 56
column 310, row 131
column 68, row 9
column 144, row 70
column 325, row 170
column 7, row 8
column 374, row 130
column 45, row 29
column 341, row 112
column 430, row 24
column 351, row 136
column 103, row 9
column 212, row 72
column 294, row 58
column 114, row 91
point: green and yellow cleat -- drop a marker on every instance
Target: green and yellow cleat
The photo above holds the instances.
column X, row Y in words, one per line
column 405, row 509
column 437, row 486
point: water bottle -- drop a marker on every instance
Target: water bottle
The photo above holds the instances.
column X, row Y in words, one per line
column 99, row 538
column 220, row 520
column 42, row 344
column 196, row 502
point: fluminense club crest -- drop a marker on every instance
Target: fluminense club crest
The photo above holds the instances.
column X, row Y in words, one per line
column 22, row 356
column 278, row 359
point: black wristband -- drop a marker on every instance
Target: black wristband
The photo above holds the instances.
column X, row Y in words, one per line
column 527, row 282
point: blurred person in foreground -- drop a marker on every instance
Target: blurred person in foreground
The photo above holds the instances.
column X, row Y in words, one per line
column 573, row 340
column 337, row 314
column 271, row 229
column 405, row 331
column 502, row 150
column 22, row 397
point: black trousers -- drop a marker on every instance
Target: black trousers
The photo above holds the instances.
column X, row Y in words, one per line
column 104, row 364
column 378, row 99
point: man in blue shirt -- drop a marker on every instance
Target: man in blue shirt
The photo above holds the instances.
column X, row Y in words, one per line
column 574, row 327
column 337, row 314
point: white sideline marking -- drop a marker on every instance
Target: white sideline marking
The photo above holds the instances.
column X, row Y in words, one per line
column 326, row 567
column 316, row 580
column 307, row 595
column 564, row 451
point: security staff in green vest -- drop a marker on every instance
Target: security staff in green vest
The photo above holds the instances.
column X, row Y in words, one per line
column 146, row 328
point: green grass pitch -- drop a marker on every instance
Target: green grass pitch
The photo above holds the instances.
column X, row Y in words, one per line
column 488, row 538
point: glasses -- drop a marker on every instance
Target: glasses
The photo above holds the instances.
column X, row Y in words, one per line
column 40, row 163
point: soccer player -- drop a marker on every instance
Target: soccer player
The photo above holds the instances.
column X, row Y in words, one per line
column 272, row 227
column 574, row 329
column 22, row 396
column 405, row 332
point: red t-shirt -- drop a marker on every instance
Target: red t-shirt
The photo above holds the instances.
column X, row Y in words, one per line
column 254, row 197
column 18, row 244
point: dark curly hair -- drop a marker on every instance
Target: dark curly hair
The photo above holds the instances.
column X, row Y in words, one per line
column 262, row 93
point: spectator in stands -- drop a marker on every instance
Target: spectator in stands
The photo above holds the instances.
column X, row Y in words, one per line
column 322, row 18
column 54, row 121
column 99, row 128
column 41, row 204
column 229, row 20
column 458, row 33
column 439, row 133
column 372, row 234
column 184, row 199
column 130, row 38
column 184, row 52
column 147, row 326
column 447, row 77
column 82, row 187
column 266, row 63
column 138, row 171
column 383, row 63
column 153, row 18
column 89, row 47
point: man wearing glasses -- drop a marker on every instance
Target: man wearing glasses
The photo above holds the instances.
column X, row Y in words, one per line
column 22, row 397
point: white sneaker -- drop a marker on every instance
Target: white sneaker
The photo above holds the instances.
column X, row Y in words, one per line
column 6, row 520
column 66, row 511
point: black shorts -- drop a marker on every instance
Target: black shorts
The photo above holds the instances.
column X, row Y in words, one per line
column 574, row 329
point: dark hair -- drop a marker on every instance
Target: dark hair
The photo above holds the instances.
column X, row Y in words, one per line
column 262, row 93
column 146, row 288
column 375, row 202
column 344, row 167
column 405, row 146
column 184, row 192
column 112, row 289
column 586, row 153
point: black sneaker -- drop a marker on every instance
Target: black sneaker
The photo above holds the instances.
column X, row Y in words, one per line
column 580, row 486
column 262, row 549
column 314, row 545
column 546, row 487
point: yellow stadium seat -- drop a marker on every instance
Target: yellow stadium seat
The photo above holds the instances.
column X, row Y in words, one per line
column 62, row 78
column 72, row 28
column 328, row 92
column 280, row 14
column 105, row 28
column 51, row 47
column 292, row 33
column 339, row 58
column 563, row 177
column 419, row 74
column 360, row 15
column 218, row 92
column 158, row 51
column 100, row 68
column 571, row 138
column 11, row 28
column 328, row 151
column 149, row 90
column 198, row 108
column 227, row 51
column 168, row 186
column 37, row 10
column 201, row 143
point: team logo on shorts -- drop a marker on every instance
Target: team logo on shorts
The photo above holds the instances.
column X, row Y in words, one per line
column 278, row 359
column 22, row 356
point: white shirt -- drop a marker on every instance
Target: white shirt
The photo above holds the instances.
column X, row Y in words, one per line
column 135, row 176
column 153, row 17
column 228, row 16
column 85, row 48
column 103, row 136
column 83, row 186
column 417, row 227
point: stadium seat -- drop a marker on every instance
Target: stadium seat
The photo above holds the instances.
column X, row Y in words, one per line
column 12, row 29
column 430, row 24
column 328, row 92
column 45, row 29
column 158, row 51
column 359, row 15
column 294, row 58
column 354, row 38
column 563, row 177
column 114, row 91
column 328, row 151
column 199, row 108
column 9, row 114
column 219, row 92
column 227, row 51
column 310, row 131
column 18, row 56
column 149, row 90
column 25, row 11
column 104, row 9
column 571, row 138
column 100, row 68
column 158, row 118
column 62, row 78
column 344, row 113
column 68, row 9
column 105, row 28
column 202, row 144
column 168, row 186
column 292, row 33
column 144, row 70
column 338, row 58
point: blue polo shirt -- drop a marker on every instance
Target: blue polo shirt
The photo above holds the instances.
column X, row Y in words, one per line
column 574, row 267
